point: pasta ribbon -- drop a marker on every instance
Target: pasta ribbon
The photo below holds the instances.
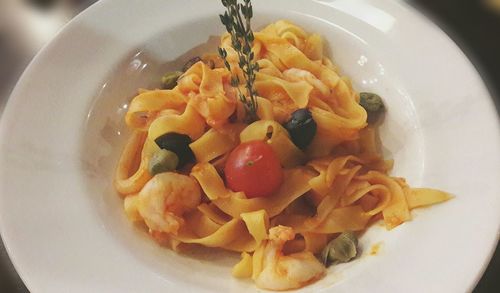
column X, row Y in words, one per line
column 127, row 181
column 382, row 192
column 288, row 31
column 284, row 95
column 421, row 197
column 201, row 225
column 189, row 123
column 397, row 210
column 243, row 269
column 216, row 142
column 327, row 172
column 275, row 89
column 288, row 153
column 338, row 183
column 205, row 88
column 211, row 183
column 258, row 261
column 265, row 109
column 330, row 200
column 351, row 218
column 257, row 223
column 213, row 213
column 144, row 108
column 268, row 68
column 222, row 237
column 313, row 48
column 298, row 75
column 315, row 241
column 130, row 206
column 294, row 185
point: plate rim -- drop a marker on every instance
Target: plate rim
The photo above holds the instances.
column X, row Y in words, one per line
column 46, row 47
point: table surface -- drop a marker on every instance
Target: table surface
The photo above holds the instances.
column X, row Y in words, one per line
column 469, row 22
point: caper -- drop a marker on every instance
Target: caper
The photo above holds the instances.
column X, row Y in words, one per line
column 177, row 143
column 169, row 80
column 301, row 127
column 371, row 102
column 163, row 161
column 190, row 63
column 341, row 249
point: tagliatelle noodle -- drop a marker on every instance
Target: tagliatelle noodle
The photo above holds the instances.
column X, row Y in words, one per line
column 338, row 183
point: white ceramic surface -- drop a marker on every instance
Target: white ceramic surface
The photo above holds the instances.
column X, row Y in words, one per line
column 63, row 129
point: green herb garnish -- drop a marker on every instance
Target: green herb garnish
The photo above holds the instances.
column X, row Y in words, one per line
column 236, row 19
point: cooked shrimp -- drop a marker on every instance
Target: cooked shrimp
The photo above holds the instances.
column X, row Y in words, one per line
column 284, row 272
column 295, row 74
column 164, row 199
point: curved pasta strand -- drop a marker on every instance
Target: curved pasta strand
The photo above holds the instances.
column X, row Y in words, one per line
column 340, row 128
column 268, row 68
column 243, row 269
column 295, row 184
column 205, row 88
column 257, row 223
column 211, row 183
column 284, row 55
column 381, row 191
column 216, row 142
column 286, row 31
column 124, row 182
column 348, row 187
column 336, row 166
column 222, row 237
column 329, row 201
column 351, row 218
column 313, row 47
column 200, row 224
column 213, row 213
column 421, row 197
column 265, row 109
column 297, row 75
column 322, row 183
column 130, row 206
column 314, row 241
column 189, row 123
column 397, row 210
column 276, row 89
column 244, row 243
column 288, row 153
column 285, row 98
column 144, row 107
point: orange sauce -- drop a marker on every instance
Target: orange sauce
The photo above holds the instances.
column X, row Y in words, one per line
column 375, row 249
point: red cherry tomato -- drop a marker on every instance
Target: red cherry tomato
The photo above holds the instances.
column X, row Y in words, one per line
column 253, row 168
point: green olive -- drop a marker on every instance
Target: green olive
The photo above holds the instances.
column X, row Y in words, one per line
column 341, row 249
column 163, row 161
column 169, row 80
column 301, row 127
column 371, row 102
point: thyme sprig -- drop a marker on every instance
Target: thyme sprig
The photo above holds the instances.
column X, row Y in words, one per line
column 236, row 19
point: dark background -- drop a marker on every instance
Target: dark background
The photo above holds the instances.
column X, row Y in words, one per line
column 473, row 25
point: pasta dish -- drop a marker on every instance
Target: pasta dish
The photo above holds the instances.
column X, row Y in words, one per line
column 267, row 151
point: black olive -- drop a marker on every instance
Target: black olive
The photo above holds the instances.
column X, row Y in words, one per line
column 301, row 127
column 190, row 63
column 177, row 143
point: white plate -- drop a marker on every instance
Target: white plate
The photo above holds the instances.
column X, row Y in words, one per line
column 63, row 130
